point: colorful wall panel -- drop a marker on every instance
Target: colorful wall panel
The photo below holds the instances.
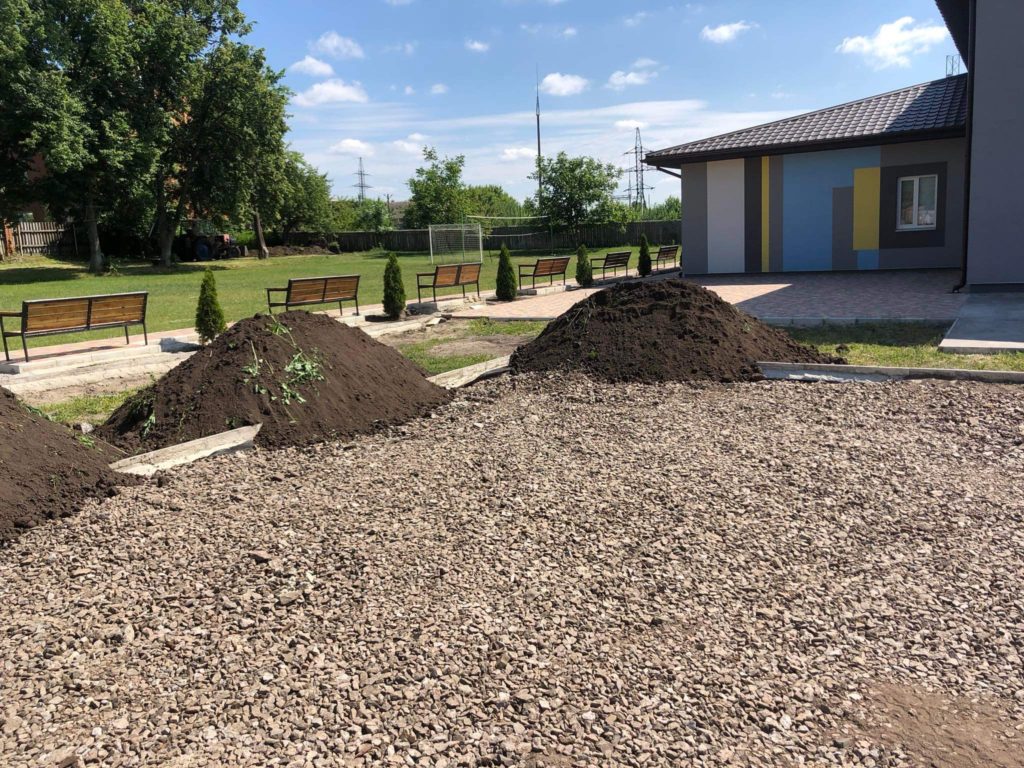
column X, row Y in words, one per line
column 818, row 211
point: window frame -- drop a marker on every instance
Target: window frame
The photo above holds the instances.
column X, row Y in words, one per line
column 915, row 227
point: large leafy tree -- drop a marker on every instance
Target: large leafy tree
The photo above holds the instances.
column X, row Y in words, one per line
column 437, row 192
column 491, row 200
column 577, row 190
column 305, row 198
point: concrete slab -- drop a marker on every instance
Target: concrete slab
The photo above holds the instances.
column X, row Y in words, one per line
column 147, row 464
column 837, row 373
column 462, row 377
column 987, row 323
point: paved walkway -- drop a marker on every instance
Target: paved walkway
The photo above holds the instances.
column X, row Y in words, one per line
column 792, row 298
column 988, row 323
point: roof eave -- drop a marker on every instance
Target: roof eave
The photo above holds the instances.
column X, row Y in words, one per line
column 956, row 14
column 687, row 158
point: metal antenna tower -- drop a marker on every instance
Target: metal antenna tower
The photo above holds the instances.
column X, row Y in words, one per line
column 540, row 176
column 361, row 184
column 636, row 192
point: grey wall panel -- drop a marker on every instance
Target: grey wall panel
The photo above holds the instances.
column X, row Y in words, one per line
column 917, row 258
column 997, row 160
column 947, row 154
column 776, row 202
column 695, row 218
column 752, row 214
column 725, row 216
column 843, row 255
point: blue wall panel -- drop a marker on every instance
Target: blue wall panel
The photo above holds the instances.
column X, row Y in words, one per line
column 807, row 184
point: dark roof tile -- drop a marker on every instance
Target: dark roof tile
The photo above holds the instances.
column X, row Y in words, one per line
column 938, row 107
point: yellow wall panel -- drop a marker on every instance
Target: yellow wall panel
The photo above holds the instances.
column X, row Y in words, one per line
column 867, row 186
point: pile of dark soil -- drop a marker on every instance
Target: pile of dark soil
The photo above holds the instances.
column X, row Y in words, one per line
column 46, row 470
column 666, row 330
column 305, row 377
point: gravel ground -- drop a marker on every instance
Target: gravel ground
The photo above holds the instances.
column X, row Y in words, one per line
column 549, row 572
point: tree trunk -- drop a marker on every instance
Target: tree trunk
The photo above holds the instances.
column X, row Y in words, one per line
column 96, row 265
column 261, row 243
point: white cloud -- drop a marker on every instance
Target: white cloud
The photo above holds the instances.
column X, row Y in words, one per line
column 893, row 44
column 438, row 89
column 635, row 19
column 477, row 46
column 630, row 124
column 550, row 29
column 398, row 2
column 557, row 84
column 409, row 90
column 518, row 153
column 312, row 66
column 620, row 80
column 353, row 147
column 568, row 32
column 644, row 63
column 406, row 48
column 331, row 92
column 412, row 144
column 725, row 33
column 334, row 45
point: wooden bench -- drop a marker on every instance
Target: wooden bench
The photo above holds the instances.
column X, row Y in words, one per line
column 303, row 291
column 666, row 253
column 613, row 261
column 549, row 267
column 449, row 276
column 46, row 317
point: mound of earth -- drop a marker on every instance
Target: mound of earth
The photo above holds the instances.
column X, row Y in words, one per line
column 305, row 377
column 668, row 330
column 46, row 470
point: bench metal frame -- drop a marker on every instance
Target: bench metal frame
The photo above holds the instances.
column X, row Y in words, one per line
column 618, row 259
column 89, row 325
column 308, row 302
column 459, row 282
column 550, row 275
column 666, row 253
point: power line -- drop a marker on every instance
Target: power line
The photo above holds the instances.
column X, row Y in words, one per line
column 361, row 184
column 637, row 188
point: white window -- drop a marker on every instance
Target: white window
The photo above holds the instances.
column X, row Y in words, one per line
column 918, row 202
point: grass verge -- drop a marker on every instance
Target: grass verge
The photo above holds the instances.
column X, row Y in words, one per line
column 93, row 409
column 899, row 345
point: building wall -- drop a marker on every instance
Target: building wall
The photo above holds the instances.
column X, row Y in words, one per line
column 819, row 211
column 996, row 244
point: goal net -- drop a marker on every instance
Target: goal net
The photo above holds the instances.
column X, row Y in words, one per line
column 451, row 243
column 519, row 233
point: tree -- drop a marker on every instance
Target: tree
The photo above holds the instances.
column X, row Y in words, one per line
column 507, row 285
column 209, row 316
column 394, row 289
column 576, row 190
column 491, row 200
column 644, row 263
column 584, row 272
column 373, row 216
column 437, row 192
column 305, row 198
column 668, row 210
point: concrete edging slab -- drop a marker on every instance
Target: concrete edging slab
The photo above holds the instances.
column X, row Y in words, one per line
column 147, row 464
column 827, row 372
column 462, row 377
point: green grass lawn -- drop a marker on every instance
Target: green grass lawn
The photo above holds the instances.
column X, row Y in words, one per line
column 241, row 283
column 899, row 345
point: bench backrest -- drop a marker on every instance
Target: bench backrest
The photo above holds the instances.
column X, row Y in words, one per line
column 469, row 273
column 617, row 259
column 314, row 290
column 551, row 266
column 668, row 251
column 446, row 275
column 341, row 287
column 44, row 315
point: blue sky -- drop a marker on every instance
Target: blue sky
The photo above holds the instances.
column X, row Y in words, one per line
column 381, row 78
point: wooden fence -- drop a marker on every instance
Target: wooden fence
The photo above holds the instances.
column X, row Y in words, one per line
column 49, row 237
column 530, row 238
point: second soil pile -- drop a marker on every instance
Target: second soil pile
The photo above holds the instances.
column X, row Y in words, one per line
column 668, row 330
column 305, row 377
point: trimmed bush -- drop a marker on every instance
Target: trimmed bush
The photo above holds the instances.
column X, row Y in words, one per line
column 209, row 316
column 394, row 290
column 584, row 272
column 644, row 264
column 507, row 285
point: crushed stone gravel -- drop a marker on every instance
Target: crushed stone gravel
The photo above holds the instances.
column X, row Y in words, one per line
column 546, row 572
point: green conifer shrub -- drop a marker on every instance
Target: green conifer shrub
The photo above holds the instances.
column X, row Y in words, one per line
column 394, row 290
column 507, row 285
column 584, row 272
column 644, row 264
column 209, row 316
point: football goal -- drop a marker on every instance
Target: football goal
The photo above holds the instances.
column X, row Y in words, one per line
column 456, row 243
column 519, row 233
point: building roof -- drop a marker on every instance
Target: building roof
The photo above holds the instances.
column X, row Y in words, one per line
column 927, row 111
column 957, row 16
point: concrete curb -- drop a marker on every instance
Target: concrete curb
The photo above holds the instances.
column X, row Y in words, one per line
column 840, row 373
column 805, row 322
column 462, row 377
column 148, row 464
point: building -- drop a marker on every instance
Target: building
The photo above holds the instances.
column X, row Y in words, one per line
column 914, row 178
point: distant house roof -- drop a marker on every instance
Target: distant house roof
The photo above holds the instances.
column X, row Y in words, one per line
column 930, row 110
column 957, row 17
